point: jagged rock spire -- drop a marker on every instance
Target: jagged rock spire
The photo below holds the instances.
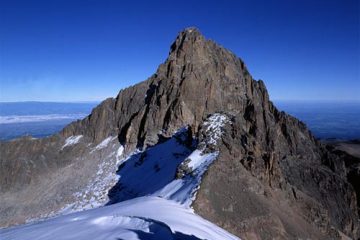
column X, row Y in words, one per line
column 185, row 38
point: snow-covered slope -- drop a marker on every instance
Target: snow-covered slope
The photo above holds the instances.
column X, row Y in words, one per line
column 139, row 218
column 171, row 169
column 156, row 188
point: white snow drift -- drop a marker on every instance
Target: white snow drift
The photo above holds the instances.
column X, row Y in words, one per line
column 72, row 140
column 136, row 219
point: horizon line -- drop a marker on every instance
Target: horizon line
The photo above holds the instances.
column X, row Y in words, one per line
column 272, row 100
column 51, row 101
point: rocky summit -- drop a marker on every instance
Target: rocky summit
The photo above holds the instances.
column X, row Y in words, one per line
column 259, row 172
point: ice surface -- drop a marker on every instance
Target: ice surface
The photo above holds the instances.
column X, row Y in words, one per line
column 145, row 172
column 184, row 190
column 139, row 218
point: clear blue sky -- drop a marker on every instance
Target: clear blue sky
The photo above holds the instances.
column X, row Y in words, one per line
column 73, row 50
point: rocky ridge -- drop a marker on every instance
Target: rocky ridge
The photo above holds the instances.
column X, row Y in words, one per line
column 272, row 179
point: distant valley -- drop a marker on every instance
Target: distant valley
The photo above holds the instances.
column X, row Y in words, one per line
column 39, row 119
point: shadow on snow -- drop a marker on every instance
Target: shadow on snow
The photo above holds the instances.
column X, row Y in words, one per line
column 146, row 172
column 161, row 231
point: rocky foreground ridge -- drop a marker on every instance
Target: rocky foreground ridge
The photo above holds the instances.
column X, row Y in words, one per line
column 271, row 179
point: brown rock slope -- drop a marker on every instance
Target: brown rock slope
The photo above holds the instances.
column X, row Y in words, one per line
column 272, row 178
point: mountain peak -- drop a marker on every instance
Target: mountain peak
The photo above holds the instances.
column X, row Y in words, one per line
column 191, row 30
column 186, row 39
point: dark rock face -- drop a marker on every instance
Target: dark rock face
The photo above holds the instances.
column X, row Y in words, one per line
column 272, row 178
column 198, row 78
column 350, row 152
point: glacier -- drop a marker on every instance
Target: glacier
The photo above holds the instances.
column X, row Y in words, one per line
column 145, row 198
column 137, row 219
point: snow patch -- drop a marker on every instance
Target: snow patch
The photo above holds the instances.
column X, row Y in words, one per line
column 145, row 172
column 214, row 127
column 198, row 158
column 95, row 194
column 184, row 190
column 71, row 141
column 103, row 144
column 119, row 153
